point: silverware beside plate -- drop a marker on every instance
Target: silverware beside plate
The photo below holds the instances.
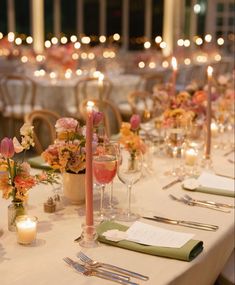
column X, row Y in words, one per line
column 190, row 224
column 101, row 274
column 191, row 202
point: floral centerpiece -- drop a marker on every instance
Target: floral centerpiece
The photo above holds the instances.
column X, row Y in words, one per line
column 15, row 177
column 130, row 138
column 68, row 155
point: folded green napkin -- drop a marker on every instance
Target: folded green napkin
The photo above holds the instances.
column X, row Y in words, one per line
column 38, row 162
column 207, row 190
column 211, row 184
column 187, row 252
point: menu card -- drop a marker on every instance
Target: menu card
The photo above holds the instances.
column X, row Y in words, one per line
column 150, row 235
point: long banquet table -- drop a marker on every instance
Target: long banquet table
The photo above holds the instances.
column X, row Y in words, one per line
column 41, row 263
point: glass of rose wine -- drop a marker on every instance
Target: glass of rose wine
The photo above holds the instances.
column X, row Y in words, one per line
column 104, row 170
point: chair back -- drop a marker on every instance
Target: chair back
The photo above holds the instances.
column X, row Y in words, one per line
column 112, row 117
column 141, row 103
column 44, row 127
column 18, row 90
column 91, row 88
column 148, row 80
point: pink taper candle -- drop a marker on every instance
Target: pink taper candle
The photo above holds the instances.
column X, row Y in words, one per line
column 208, row 114
column 89, row 172
column 174, row 67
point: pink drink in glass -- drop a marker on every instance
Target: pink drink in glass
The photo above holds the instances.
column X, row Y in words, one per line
column 104, row 168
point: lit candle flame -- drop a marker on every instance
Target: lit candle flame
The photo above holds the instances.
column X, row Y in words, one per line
column 209, row 71
column 89, row 106
column 101, row 78
column 174, row 63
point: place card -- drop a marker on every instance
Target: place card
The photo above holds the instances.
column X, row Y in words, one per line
column 156, row 236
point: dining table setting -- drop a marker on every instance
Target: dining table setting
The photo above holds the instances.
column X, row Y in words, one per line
column 165, row 230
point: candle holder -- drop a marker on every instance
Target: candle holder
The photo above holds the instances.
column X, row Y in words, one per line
column 26, row 227
column 207, row 163
column 89, row 236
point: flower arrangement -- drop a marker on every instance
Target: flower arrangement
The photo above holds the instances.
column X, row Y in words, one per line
column 15, row 177
column 130, row 135
column 67, row 154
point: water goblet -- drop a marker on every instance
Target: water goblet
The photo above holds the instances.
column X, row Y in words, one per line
column 104, row 170
column 129, row 172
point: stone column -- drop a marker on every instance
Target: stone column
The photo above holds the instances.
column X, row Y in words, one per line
column 38, row 25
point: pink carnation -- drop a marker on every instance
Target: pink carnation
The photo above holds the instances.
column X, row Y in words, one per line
column 24, row 182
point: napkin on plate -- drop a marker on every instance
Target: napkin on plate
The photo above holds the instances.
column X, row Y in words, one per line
column 38, row 162
column 211, row 184
column 187, row 252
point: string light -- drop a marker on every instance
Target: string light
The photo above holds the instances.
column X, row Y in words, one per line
column 158, row 39
column 54, row 41
column 208, row 38
column 73, row 38
column 77, row 45
column 180, row 42
column 47, row 44
column 220, row 41
column 102, row 39
column 1, row 35
column 29, row 40
column 147, row 45
column 116, row 37
column 141, row 64
column 64, row 40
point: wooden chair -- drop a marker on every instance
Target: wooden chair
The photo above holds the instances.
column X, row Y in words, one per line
column 19, row 98
column 44, row 127
column 89, row 88
column 148, row 80
column 142, row 103
column 112, row 117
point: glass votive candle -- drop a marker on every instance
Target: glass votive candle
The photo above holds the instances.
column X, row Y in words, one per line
column 191, row 155
column 26, row 228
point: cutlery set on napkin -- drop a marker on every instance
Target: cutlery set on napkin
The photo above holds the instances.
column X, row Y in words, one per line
column 90, row 267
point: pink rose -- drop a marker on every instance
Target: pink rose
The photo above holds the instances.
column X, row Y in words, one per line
column 66, row 125
column 7, row 148
column 135, row 122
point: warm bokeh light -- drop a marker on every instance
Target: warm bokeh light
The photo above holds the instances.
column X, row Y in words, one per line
column 186, row 43
column 75, row 56
column 208, row 38
column 54, row 41
column 174, row 63
column 199, row 41
column 73, row 38
column 147, row 45
column 1, row 35
column 85, row 40
column 77, row 45
column 11, row 37
column 64, row 40
column 102, row 39
column 158, row 39
column 18, row 41
column 29, row 40
column 24, row 59
column 220, row 41
column 187, row 61
column 47, row 44
column 180, row 42
column 141, row 64
column 165, row 64
column 116, row 37
column 163, row 45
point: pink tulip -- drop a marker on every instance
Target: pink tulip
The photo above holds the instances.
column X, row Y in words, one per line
column 135, row 122
column 97, row 118
column 7, row 148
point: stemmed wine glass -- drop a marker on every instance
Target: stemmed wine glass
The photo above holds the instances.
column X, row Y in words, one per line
column 104, row 170
column 129, row 172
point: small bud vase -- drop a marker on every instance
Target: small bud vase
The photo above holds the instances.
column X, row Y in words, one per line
column 15, row 209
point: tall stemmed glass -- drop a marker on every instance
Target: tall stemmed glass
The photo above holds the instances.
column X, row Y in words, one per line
column 111, row 211
column 129, row 172
column 104, row 170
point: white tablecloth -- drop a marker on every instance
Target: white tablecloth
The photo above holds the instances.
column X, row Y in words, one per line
column 42, row 264
column 59, row 95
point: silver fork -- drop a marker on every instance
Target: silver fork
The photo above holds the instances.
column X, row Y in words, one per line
column 94, row 264
column 177, row 180
column 192, row 203
column 91, row 272
column 217, row 204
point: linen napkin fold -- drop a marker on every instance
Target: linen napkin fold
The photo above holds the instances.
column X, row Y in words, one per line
column 38, row 162
column 187, row 252
column 211, row 184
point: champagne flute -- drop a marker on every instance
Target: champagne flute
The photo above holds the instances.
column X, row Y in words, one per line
column 104, row 170
column 129, row 172
column 111, row 212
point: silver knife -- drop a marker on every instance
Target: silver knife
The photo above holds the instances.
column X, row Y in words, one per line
column 190, row 224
